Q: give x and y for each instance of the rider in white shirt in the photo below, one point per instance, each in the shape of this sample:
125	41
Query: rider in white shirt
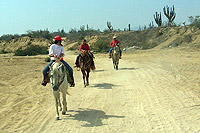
56	51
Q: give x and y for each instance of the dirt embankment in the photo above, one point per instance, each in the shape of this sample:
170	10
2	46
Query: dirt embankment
14	44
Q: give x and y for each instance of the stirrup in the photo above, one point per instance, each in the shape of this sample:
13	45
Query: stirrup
44	83
76	66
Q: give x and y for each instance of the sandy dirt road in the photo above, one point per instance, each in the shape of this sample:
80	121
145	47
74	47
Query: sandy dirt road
153	91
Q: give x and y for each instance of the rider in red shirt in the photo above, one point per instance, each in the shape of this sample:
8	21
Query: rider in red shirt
112	44
85	47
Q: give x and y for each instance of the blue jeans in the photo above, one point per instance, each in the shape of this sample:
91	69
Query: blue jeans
46	69
120	52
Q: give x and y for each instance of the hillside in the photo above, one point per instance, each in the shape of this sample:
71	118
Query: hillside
146	39
156	88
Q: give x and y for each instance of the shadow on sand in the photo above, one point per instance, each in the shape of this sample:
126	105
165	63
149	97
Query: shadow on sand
127	68
91	116
104	86
99	70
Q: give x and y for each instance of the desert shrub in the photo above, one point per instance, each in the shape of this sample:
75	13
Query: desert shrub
9	37
47	59
176	42
31	50
101	45
194	21
147	45
3	51
187	38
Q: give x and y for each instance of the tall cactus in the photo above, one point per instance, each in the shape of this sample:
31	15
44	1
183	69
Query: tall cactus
170	14
110	27
129	27
158	19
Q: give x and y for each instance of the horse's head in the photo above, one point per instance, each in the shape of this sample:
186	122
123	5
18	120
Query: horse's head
116	48
83	53
56	75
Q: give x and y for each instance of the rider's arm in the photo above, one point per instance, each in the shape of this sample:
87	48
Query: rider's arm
51	55
88	49
81	47
62	54
111	43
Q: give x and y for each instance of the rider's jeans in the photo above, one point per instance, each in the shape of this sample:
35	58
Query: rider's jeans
46	69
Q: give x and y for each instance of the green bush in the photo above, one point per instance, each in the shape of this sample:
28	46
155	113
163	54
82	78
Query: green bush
102	45
47	59
187	38
31	50
3	51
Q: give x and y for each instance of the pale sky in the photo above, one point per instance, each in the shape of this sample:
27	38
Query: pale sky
19	16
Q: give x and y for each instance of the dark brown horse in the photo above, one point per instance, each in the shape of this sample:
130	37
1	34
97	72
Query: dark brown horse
85	65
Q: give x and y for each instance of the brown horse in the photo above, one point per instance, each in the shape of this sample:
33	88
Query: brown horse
85	65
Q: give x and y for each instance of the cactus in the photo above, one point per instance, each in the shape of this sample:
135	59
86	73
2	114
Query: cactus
110	27
170	14
129	27
151	25
158	19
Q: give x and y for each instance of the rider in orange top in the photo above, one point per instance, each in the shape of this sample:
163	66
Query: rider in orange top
112	44
85	47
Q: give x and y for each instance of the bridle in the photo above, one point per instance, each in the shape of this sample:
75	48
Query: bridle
62	76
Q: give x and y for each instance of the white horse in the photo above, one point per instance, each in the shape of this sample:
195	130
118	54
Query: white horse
59	83
115	56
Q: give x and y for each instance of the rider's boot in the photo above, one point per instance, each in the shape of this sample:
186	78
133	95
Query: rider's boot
44	82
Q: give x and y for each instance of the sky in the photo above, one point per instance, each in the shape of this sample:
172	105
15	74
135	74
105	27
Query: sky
19	16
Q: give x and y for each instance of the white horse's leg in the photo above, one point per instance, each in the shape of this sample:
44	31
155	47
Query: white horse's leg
59	103
56	93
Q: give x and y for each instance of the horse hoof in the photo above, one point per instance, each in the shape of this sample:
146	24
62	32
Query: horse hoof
63	113
57	118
